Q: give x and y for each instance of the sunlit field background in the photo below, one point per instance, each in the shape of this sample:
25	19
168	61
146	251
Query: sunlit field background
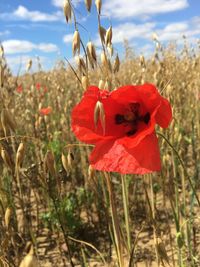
55	210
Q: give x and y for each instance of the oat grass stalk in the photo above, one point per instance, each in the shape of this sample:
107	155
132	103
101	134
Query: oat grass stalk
115	221
125	189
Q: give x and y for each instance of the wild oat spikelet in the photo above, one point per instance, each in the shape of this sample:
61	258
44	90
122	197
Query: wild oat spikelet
49	163
1	51
29	65
30	259
101	84
116	64
88	4
65	162
102	33
104	59
7	217
108	38
19	156
98	5
7	159
81	65
99	113
76	43
91	52
1	76
85	82
67	10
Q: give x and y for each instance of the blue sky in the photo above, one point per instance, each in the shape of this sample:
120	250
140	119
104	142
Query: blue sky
30	28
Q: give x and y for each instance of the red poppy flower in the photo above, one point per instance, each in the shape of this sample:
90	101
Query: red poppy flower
123	129
19	89
45	111
38	86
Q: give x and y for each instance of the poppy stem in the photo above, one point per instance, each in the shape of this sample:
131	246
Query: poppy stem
183	166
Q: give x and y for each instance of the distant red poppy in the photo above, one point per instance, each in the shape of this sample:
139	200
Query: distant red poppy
45	111
19	89
38	86
127	142
45	90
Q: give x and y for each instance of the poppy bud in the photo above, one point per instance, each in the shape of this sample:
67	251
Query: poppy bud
67	10
76	43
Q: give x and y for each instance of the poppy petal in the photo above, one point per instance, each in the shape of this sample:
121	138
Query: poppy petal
114	157
164	114
83	117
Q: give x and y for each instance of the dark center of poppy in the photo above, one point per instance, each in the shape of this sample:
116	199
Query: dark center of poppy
132	118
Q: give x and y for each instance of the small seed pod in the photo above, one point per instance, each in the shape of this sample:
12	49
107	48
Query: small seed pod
102	33
88	4
108	38
76	43
29	65
116	64
85	82
91	52
67	10
7	217
49	163
98	5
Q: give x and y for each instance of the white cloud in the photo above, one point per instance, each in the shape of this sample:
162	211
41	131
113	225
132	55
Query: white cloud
140	8
175	31
22	13
23	46
59	3
4	33
68	38
129	31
